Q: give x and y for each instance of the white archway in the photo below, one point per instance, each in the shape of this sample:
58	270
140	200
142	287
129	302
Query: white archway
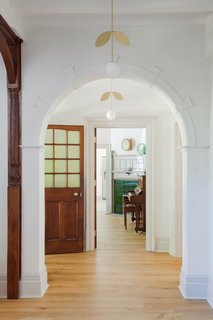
34	277
70	80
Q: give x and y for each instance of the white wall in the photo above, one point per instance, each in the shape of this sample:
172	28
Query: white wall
210	221
103	136
162	186
165	184
179	51
118	134
3	178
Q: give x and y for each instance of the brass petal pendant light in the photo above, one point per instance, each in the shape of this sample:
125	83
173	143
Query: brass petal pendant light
104	37
112	68
107	94
111	115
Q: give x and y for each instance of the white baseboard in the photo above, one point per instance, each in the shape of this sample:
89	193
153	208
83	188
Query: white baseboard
3	286
89	240
193	287
34	285
162	245
210	293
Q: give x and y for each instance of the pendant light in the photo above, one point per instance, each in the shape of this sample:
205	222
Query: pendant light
112	68
111	115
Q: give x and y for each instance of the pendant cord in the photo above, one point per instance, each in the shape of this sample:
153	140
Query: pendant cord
112	28
110	94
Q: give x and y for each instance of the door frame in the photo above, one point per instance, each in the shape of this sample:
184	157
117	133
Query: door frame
10	49
93	124
107	147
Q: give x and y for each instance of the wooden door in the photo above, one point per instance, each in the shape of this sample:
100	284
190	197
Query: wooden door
64	172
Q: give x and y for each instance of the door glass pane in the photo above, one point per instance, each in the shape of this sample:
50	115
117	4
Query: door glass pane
74	180
48	166
74	137
74	152
49	136
60	151
60	166
48	180
74	166
60	181
48	151
60	136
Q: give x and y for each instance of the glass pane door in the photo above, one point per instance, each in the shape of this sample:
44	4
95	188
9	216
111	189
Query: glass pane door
63	158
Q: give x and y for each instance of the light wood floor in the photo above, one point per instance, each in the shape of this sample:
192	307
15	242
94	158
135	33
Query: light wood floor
119	281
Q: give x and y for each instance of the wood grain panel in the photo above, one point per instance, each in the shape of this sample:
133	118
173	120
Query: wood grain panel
14	243
71	220
53	221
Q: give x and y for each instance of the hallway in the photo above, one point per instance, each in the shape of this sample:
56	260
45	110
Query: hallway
118	281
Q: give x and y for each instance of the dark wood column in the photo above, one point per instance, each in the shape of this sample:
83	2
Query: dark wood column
10	48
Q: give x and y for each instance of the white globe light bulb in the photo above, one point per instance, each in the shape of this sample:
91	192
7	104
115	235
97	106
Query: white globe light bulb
112	69
110	115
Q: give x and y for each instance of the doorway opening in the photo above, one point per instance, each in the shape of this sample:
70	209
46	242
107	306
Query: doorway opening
120	169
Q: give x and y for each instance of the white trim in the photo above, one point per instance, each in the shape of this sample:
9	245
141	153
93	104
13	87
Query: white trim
150	215
149	75
107	147
193	287
210	293
3	286
120	123
34	285
194	147
162	245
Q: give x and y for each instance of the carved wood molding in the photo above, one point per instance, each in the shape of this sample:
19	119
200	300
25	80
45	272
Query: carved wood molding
10	48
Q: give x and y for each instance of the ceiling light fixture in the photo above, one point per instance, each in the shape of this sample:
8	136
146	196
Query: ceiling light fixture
111	115
112	68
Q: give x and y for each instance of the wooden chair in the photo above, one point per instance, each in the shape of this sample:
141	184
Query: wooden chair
128	208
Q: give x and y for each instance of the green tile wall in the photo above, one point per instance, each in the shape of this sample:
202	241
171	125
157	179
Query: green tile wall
121	187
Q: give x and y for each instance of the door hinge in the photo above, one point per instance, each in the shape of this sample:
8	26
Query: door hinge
95	183
95	139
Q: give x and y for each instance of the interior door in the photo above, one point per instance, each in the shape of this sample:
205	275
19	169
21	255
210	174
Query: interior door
64	185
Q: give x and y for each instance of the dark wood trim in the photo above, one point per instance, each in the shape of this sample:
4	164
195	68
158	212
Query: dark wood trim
14	227
10	48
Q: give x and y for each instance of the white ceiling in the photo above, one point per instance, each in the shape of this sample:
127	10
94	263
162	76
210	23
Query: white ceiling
139	100
97	12
128	6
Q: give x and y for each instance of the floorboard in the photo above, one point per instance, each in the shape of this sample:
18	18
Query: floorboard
120	280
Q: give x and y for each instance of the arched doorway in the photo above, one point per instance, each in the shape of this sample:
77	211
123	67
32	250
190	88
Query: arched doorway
33	153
